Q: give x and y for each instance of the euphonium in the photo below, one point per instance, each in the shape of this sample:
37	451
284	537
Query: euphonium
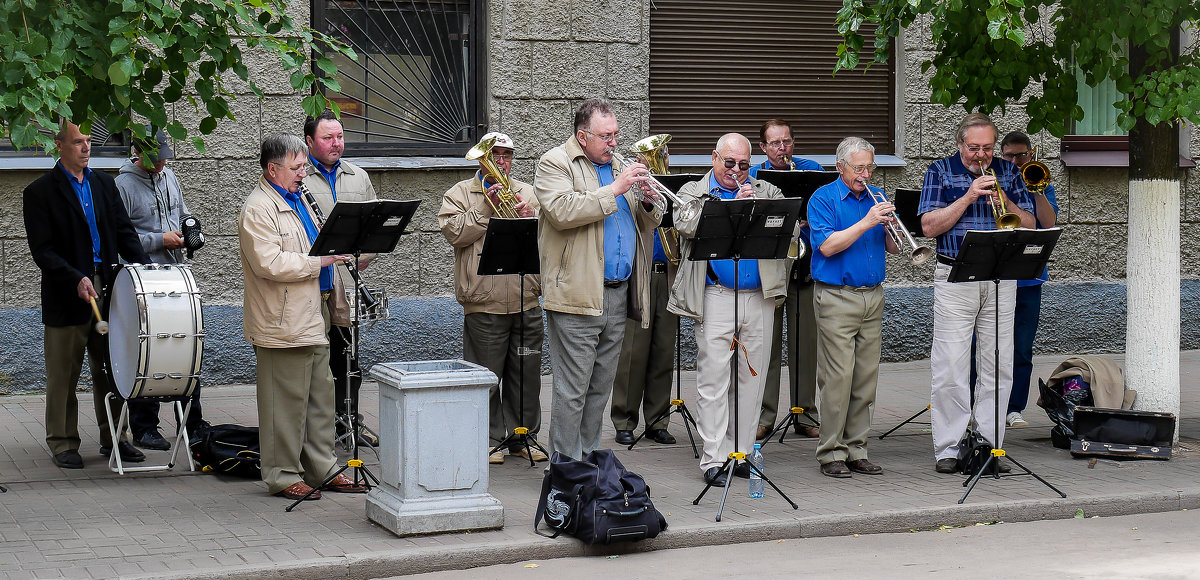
1005	220
1036	175
482	152
652	152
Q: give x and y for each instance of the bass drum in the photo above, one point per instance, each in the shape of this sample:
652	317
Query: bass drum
156	331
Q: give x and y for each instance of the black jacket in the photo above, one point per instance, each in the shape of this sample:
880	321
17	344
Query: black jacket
61	243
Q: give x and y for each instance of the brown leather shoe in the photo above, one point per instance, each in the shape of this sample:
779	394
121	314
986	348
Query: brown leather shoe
809	431
835	469
298	490
343	484
865	467
763	430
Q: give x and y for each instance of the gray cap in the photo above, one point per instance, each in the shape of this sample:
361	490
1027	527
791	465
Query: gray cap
164	148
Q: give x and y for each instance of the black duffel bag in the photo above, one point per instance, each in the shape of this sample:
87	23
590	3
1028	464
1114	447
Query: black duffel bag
596	500
228	448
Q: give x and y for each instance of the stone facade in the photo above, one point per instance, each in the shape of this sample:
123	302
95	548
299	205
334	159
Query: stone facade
546	57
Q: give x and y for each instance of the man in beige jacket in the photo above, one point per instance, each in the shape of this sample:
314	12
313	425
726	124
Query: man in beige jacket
594	236
705	291
285	317
501	326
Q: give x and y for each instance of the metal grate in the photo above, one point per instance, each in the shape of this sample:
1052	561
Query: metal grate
714	71
414	86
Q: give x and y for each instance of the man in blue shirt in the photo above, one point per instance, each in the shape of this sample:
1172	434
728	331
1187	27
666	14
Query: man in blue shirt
848	270
955	199
775	139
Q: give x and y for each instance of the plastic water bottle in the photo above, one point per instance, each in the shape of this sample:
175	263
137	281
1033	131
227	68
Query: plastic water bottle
756	482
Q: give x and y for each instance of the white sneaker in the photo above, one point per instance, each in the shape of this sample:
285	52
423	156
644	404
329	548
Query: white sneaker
1016	420
497	457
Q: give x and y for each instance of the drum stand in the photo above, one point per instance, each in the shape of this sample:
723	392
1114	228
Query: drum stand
677	404
181	435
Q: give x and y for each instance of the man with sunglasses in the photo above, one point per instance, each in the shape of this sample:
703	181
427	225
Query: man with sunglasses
775	139
706	291
955	198
595	238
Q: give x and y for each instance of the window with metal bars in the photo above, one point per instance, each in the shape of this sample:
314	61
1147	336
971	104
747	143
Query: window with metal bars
415	89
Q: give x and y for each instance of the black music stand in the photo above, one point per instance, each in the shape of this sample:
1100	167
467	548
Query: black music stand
799	185
358	227
1015	254
511	247
734	229
674	183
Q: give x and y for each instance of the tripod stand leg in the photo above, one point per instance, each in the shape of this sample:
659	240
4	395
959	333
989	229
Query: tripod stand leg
688	423
708	485
732	463
906	421
1035	476
772	484
970	483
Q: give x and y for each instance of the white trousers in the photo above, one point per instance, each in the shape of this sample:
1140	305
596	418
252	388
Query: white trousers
715	395
962	310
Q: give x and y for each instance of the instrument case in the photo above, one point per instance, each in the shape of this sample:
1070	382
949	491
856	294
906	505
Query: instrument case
1120	433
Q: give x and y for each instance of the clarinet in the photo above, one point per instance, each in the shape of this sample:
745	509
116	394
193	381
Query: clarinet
364	295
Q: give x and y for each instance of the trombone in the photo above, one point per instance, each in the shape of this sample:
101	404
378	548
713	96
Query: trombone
918	254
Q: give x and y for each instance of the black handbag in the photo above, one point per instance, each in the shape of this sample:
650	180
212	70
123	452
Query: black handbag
231	449
596	500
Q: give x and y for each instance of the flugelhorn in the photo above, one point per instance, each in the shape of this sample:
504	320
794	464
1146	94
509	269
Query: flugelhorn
1005	220
1036	175
895	229
482	152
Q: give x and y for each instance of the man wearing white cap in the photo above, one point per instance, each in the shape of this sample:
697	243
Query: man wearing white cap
500	326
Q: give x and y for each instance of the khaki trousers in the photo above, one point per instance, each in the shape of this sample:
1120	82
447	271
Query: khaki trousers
64	348
849	324
647	359
802	356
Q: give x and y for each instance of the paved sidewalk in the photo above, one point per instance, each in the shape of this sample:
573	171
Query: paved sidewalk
92	523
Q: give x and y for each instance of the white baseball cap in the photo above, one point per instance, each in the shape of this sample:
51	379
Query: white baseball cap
502	140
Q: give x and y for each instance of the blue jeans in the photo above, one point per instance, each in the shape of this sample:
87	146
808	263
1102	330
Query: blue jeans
1029	307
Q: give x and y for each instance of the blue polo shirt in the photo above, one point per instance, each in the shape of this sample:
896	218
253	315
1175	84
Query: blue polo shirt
293	201
834	208
330	174
948	179
747	270
83	190
620	234
1045	277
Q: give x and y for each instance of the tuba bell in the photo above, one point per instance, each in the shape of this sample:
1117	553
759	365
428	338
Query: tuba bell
482	152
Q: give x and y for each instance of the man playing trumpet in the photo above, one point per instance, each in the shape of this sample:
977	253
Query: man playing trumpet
495	314
705	291
957	197
848	269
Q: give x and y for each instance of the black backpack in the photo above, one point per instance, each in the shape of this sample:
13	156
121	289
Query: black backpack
231	449
973	452
596	500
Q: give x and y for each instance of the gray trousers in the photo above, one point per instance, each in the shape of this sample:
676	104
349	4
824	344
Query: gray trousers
849	326
802	356
64	348
583	354
494	341
647	359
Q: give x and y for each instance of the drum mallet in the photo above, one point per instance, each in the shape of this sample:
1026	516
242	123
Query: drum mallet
101	325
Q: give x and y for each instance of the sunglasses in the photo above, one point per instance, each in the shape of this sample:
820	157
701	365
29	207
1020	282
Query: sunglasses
730	163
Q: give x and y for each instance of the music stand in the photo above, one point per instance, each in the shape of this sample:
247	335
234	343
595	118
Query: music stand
734	229
511	247
906	202
801	185
674	183
1014	254
358	227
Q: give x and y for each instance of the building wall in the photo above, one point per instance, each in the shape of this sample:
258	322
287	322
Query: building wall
545	57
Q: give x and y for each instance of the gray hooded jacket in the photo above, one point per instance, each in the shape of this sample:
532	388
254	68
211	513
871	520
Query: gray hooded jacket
155	205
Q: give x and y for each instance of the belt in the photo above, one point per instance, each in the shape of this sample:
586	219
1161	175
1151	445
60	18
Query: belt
613	283
944	260
326	294
850	288
659	267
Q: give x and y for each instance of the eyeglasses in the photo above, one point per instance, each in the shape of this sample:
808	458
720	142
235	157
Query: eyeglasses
730	163
297	169
610	138
1011	156
861	169
980	148
780	144
503	156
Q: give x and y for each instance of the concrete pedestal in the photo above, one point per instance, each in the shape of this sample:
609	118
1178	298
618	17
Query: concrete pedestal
433	443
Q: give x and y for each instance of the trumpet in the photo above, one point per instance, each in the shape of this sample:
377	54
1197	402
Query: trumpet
687	210
1005	220
482	152
364	295
895	229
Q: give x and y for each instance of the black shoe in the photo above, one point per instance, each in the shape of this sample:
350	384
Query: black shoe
661	436
715	477
864	466
129	453
152	439
624	437
742	470
196	434
947	465
69	459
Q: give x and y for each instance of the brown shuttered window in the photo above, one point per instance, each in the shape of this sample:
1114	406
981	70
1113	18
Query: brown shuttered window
719	67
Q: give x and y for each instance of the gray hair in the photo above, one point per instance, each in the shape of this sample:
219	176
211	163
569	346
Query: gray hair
851	145
975	120
597	106
280	146
726	139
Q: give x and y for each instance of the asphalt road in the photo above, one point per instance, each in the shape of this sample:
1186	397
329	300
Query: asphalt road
1151	546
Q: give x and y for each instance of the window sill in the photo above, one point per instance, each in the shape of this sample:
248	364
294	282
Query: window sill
1080	151
829	162
413	163
44	163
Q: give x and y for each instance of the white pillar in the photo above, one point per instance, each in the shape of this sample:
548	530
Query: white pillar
1152	278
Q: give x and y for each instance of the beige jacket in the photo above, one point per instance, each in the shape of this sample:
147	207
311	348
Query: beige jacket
464	220
571	234
687	293
282	304
352	185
